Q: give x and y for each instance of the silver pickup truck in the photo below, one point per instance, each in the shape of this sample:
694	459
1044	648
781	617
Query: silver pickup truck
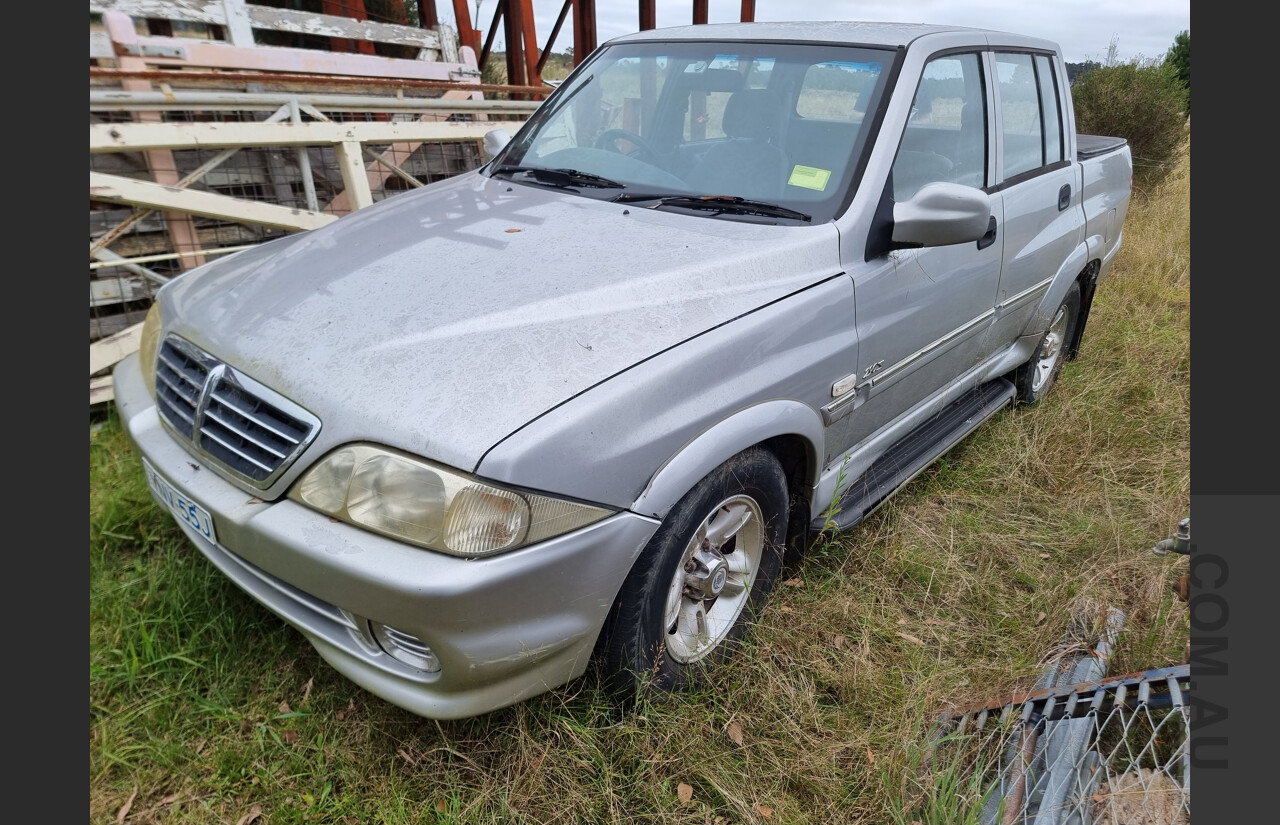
729	287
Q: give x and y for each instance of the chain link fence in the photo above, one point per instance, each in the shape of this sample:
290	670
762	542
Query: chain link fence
1080	748
1108	752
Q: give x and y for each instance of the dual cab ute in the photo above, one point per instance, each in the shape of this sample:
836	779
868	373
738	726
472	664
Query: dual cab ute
729	286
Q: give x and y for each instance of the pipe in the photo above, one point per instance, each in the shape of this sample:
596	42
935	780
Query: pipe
306	79
131	264
106	101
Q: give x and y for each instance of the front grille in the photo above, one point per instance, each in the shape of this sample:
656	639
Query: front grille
237	423
180	378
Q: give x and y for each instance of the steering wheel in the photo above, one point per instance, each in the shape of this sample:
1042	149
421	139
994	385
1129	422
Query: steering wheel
609	138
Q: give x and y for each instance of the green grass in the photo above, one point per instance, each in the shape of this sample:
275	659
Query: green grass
203	705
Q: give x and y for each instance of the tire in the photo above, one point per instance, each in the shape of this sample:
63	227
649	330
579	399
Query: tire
659	634
1036	377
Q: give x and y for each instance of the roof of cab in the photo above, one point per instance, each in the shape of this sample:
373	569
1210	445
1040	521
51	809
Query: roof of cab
892	35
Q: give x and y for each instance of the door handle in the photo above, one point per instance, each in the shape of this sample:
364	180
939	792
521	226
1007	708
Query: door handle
1064	197
989	238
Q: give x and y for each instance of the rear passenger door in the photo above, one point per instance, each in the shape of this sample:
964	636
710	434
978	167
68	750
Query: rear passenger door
1036	182
923	321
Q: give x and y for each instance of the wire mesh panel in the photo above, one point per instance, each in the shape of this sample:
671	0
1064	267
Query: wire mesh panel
1112	752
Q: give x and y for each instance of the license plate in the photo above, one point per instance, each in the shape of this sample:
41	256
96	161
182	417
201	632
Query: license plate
183	508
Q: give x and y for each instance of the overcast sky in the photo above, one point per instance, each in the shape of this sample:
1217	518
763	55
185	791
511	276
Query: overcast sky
1084	28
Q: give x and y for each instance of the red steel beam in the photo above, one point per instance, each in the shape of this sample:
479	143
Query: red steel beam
551	39
584	29
427	16
648	15
700	11
513	34
467	33
529	27
355	10
748	11
493	30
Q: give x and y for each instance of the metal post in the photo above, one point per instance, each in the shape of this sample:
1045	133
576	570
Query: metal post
748	11
115	101
111	257
1068	739
699	11
354	176
304	162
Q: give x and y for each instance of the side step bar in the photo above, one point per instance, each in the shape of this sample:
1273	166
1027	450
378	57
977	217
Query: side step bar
917	450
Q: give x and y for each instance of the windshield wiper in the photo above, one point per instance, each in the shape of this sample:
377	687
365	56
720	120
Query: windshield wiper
717	203
565	178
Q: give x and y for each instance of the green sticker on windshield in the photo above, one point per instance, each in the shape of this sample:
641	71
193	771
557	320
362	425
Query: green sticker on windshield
809	177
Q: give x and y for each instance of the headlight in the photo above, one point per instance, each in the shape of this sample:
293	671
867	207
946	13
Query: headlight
425	504
147	346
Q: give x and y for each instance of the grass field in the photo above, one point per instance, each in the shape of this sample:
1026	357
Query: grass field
205	708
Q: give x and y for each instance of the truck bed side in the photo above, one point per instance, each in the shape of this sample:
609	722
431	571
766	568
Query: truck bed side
1107	168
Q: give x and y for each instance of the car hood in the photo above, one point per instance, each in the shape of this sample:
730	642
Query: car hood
440	321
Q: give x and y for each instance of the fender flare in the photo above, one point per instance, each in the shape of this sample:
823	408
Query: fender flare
1075	263
725	439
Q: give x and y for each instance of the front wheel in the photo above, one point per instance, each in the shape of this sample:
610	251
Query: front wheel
1036	377
702	577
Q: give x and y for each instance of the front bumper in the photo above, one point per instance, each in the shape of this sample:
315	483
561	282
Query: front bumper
503	628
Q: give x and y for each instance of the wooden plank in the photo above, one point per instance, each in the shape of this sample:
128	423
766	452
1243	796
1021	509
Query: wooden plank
115	189
302	22
109	351
133	137
355	183
210	12
100	46
224	13
101	390
448	45
284	59
103	254
239	26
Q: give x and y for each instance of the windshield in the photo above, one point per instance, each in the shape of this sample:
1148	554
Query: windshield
776	124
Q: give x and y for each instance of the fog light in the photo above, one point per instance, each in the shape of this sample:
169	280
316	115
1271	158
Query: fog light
404	647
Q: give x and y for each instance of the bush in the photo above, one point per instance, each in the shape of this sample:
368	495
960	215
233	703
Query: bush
1179	55
1145	103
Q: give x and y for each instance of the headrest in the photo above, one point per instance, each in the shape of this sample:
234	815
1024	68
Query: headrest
715	80
750	113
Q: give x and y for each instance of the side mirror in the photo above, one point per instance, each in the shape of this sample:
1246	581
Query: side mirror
941	214
494	141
